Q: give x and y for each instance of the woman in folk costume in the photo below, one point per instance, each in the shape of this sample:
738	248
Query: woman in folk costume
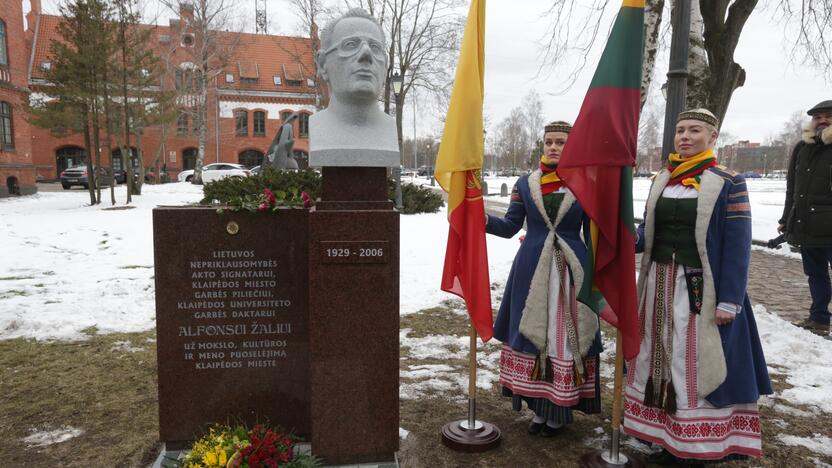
694	386
551	343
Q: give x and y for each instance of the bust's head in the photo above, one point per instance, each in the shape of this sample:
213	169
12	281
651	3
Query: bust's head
353	57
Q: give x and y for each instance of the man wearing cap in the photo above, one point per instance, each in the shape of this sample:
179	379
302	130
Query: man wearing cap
807	214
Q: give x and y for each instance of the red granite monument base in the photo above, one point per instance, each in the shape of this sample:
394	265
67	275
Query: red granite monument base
354	319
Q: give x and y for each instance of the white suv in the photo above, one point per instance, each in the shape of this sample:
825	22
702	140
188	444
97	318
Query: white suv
215	171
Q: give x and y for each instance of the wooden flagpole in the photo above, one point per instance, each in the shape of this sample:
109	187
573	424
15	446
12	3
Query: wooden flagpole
470	435
614	457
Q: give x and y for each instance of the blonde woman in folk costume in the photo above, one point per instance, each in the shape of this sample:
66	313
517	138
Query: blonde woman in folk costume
551	343
694	386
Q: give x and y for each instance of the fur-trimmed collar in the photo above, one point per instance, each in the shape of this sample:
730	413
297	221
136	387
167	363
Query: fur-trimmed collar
825	135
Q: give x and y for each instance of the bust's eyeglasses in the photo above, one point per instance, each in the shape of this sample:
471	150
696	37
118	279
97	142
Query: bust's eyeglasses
352	45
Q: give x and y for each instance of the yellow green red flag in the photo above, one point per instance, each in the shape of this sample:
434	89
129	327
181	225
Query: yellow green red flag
458	168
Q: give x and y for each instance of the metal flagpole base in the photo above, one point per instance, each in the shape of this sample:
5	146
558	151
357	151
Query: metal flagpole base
612	458
602	459
470	435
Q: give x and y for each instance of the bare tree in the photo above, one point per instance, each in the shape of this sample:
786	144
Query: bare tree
533	116
423	38
574	28
812	20
512	142
206	41
722	23
649	137
310	13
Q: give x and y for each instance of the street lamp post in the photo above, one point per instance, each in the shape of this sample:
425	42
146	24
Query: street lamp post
396	81
677	75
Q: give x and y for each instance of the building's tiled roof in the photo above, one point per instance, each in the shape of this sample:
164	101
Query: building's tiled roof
257	57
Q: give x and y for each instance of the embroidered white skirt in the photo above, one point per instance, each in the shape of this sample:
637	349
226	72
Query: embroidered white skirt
697	430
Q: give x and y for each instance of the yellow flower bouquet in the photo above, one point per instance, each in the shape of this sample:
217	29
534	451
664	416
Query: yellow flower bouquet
225	446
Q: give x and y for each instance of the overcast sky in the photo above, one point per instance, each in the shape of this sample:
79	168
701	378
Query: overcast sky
774	88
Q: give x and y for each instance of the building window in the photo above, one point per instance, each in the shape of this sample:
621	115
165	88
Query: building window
185	80
241	117
310	82
294	83
259	123
303	125
229	77
248	80
251	158
284	116
4	52
277	80
6	129
182	123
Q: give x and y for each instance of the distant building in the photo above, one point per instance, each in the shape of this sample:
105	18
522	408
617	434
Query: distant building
268	78
17	171
747	156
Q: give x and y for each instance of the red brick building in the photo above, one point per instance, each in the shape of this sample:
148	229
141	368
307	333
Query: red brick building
17	172
268	78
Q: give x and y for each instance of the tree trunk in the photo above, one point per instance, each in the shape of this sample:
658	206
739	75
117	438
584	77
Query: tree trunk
96	132
137	187
202	119
652	25
721	33
85	112
108	125
699	72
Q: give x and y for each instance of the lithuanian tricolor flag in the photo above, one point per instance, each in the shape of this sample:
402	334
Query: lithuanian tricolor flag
597	165
458	167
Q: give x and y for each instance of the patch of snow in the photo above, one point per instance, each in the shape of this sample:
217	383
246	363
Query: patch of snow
797	353
43	438
781	408
69	266
817	443
403	433
125	347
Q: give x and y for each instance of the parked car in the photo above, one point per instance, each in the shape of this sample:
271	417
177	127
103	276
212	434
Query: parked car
424	171
215	171
256	170
751	175
77	175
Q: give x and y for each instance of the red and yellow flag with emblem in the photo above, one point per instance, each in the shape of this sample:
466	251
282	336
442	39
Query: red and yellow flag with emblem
458	167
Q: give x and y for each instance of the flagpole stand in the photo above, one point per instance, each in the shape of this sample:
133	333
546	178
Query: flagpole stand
613	458
470	435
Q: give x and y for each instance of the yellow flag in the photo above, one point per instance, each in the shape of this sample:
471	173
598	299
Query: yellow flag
462	141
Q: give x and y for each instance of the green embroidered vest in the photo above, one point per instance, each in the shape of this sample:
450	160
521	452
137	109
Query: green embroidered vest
675	227
551	203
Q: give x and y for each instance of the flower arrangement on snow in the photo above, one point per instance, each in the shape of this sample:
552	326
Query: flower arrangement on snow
261	446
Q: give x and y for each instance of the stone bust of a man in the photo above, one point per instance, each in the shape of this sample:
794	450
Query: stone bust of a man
352	130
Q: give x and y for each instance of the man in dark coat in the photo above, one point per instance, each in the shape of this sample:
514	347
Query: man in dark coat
807	215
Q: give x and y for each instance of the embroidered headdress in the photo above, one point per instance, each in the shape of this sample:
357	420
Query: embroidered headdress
702	115
558	126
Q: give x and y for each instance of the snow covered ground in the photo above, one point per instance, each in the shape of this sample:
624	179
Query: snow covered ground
60	256
767	198
66	267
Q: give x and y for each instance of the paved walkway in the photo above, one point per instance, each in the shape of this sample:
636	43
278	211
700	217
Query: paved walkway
774	281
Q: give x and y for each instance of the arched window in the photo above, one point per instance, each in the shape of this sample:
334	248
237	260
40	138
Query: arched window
251	158
4	51
69	156
241	118
6	129
259	123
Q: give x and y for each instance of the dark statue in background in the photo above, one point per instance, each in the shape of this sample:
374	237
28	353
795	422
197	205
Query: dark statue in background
279	154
